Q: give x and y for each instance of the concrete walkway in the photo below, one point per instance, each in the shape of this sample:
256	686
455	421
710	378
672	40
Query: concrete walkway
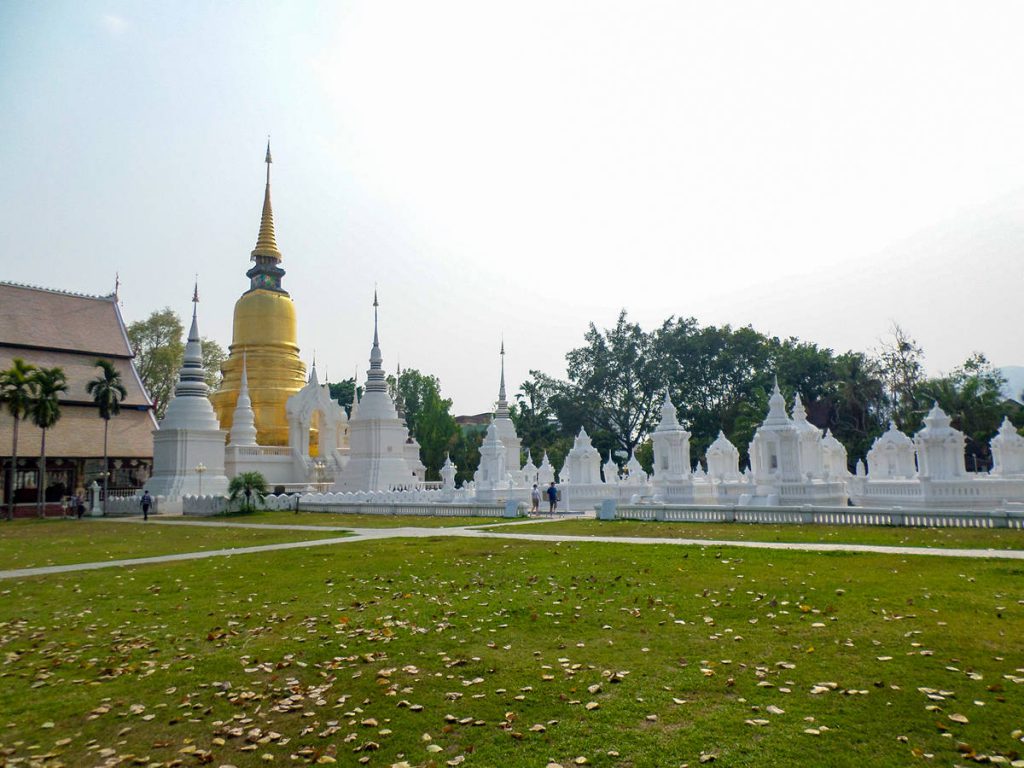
356	535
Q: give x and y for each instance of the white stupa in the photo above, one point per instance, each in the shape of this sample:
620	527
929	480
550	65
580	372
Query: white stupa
892	456
940	448
243	423
1007	451
188	448
671	448
377	436
723	460
582	463
502	421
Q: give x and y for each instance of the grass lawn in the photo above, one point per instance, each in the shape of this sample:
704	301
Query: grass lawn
37	543
435	652
351	521
970	538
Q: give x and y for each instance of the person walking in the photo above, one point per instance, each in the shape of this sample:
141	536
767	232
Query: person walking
146	502
79	505
535	500
552	497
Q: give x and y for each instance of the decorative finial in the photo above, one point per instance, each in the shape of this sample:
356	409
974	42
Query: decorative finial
117	285
376	342
266	241
195	290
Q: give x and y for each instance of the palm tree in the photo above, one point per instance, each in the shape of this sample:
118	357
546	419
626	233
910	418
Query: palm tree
247	484
107	392
46	384
16	394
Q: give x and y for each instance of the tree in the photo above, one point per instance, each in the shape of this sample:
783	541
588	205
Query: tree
16	394
428	417
902	370
248	484
107	392
158	343
971	396
614	381
213	358
436	432
857	395
159	352
533	415
344	392
413	388
47	384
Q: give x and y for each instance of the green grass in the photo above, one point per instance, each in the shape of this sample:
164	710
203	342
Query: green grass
38	543
352	521
970	538
476	643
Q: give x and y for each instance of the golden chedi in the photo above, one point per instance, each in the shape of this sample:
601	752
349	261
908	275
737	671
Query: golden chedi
264	334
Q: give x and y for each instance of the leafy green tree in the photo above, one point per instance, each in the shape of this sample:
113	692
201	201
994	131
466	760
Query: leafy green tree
428	416
344	392
213	358
713	374
159	351
466	452
16	395
159	346
858	403
107	392
436	432
47	384
249	486
614	381
534	415
412	389
971	396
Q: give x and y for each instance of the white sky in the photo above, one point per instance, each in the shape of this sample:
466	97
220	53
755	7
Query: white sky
817	169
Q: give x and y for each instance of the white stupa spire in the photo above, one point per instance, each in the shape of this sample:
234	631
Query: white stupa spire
243	422
191	408
376	381
776	405
192	377
799	412
501	412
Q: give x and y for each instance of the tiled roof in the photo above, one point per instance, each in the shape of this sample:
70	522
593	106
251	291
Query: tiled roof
40	317
58	329
79	434
79	370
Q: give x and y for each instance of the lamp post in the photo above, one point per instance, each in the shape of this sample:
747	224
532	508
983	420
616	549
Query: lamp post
200	468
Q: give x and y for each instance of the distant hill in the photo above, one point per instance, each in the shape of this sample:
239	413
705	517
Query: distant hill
1014	386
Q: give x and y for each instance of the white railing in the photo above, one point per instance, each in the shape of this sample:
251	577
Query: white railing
385	504
808	514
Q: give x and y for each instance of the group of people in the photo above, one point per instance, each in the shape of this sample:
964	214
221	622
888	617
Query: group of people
551	492
77	504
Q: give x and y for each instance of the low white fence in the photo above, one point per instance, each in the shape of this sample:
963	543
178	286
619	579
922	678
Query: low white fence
410	509
920	518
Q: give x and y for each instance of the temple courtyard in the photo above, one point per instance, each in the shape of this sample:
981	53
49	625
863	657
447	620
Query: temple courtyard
283	638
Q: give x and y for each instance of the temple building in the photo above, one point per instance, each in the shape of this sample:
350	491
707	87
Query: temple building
264	335
59	329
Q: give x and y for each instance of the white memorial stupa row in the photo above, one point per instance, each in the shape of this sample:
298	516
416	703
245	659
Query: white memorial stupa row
792	462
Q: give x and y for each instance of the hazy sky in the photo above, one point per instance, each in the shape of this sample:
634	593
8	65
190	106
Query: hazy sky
815	169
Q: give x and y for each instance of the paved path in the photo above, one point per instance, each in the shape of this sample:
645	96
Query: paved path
356	535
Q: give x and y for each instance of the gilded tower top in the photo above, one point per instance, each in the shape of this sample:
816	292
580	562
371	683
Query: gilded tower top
266	274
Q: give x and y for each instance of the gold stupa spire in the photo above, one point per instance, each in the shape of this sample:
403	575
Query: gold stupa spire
266	243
